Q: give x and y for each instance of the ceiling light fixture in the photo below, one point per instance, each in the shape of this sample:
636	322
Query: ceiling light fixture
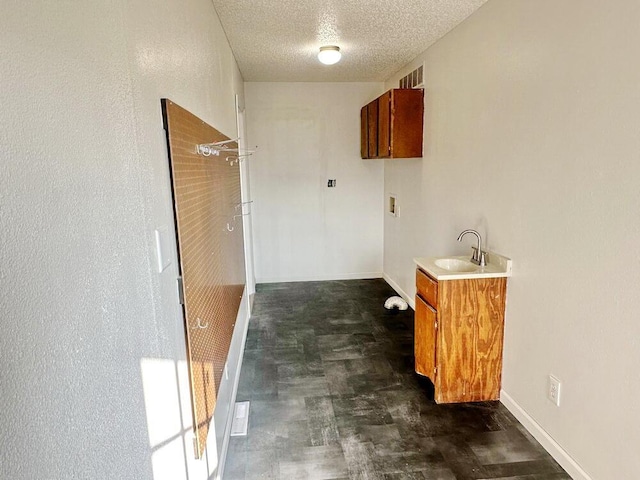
329	54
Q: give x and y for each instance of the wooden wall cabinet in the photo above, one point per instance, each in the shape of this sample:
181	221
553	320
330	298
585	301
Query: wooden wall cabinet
459	329
391	126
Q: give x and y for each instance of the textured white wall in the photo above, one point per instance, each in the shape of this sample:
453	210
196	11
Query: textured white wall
532	137
307	133
93	375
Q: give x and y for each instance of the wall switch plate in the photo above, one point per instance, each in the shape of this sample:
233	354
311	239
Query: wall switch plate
162	248
553	391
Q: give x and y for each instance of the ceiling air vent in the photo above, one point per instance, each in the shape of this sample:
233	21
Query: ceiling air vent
414	80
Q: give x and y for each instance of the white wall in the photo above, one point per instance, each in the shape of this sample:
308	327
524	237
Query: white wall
94	379
532	137
306	134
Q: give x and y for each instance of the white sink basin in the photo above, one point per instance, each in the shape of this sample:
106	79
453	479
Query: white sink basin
458	268
456	265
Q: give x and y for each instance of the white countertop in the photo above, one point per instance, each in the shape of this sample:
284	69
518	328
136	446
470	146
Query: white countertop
497	266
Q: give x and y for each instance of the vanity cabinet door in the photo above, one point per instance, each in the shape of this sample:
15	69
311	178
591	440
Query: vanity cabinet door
425	339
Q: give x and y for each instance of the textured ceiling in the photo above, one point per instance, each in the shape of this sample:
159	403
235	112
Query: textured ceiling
278	40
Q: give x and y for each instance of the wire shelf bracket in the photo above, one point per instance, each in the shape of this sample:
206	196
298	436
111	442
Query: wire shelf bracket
216	148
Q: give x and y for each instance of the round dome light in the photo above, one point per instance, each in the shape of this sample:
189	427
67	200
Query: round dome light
329	55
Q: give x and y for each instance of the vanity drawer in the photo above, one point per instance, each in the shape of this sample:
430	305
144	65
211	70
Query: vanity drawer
427	287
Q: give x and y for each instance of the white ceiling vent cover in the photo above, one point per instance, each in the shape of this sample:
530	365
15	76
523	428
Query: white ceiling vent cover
414	79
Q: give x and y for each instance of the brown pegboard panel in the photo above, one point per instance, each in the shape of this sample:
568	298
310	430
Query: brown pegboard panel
206	195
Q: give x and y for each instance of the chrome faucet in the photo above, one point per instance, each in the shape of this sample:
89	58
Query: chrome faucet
479	256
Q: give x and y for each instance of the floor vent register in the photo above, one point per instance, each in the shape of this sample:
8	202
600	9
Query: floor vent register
240	424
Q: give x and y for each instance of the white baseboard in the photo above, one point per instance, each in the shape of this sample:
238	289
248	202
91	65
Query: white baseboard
402	293
322	278
548	443
234	392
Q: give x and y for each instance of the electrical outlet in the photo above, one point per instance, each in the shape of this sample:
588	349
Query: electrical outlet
553	392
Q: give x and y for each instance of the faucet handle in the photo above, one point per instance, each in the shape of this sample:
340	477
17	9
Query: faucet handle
479	257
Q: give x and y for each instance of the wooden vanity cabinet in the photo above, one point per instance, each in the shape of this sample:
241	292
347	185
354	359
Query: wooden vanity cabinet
391	126
459	329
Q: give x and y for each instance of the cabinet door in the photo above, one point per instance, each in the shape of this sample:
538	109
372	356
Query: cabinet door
384	125
425	339
372	129
407	117
364	133
471	318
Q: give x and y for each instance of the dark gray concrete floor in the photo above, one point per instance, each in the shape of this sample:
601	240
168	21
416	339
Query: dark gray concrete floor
329	374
